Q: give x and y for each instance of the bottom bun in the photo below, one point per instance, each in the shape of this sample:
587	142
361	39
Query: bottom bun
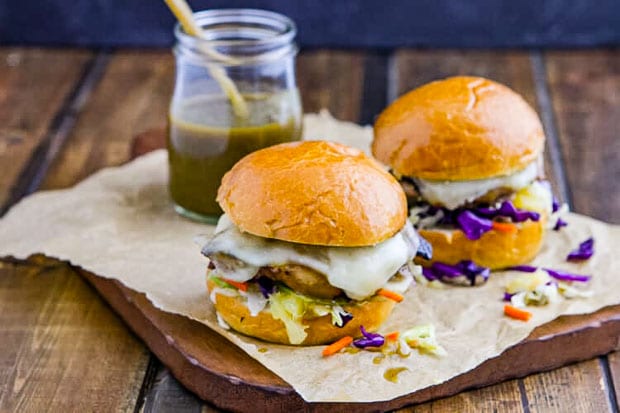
370	314
495	249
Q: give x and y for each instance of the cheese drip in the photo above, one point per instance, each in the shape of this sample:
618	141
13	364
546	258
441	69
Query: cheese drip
453	194
358	271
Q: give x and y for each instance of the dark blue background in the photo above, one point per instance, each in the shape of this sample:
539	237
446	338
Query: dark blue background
339	23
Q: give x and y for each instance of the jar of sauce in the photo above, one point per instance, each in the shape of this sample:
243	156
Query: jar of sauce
207	131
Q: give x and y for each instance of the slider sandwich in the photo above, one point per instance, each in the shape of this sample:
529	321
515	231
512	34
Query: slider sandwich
469	153
314	243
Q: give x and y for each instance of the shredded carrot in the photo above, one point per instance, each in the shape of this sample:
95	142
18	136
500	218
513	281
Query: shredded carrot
517	313
337	346
238	285
391	295
504	226
392	336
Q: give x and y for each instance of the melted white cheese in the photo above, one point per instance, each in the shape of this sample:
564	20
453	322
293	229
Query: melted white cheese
358	271
453	194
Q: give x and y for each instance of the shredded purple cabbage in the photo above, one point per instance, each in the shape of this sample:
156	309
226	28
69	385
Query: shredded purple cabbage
474	222
369	339
583	252
429	274
559	224
567	276
557	274
523	268
266	286
507	296
508	210
465	272
555	204
346	317
472	225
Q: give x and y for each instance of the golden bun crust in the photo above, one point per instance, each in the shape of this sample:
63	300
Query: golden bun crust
313	192
459	128
495	249
371	314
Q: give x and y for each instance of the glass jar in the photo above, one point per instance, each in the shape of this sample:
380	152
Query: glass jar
207	134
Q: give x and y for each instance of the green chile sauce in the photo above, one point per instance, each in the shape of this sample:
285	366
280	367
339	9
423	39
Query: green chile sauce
205	140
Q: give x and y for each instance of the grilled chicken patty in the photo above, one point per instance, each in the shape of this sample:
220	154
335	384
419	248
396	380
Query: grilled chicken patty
297	277
302	279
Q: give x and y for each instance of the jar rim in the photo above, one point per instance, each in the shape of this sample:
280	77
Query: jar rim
281	30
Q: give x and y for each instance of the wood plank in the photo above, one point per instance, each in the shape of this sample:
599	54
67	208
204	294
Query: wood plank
166	394
575	388
585	90
331	80
133	96
614	367
62	347
34	86
413	68
488	399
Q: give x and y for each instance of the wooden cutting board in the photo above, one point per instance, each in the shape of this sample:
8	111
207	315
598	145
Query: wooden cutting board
221	373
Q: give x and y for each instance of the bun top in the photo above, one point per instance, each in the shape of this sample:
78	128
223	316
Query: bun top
459	128
313	192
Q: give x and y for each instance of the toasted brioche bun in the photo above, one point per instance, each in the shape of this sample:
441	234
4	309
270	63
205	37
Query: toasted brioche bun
494	249
313	192
459	128
370	313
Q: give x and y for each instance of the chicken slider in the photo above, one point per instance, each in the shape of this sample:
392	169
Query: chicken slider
468	152
314	243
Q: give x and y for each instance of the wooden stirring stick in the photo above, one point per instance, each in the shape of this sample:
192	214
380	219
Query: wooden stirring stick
184	15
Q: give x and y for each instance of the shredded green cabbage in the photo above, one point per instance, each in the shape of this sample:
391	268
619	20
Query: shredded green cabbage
527	282
535	197
290	307
541	295
424	340
221	283
568	291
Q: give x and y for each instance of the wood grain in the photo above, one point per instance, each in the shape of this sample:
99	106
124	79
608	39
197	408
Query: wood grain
614	365
576	388
132	96
331	80
501	397
167	395
62	347
34	85
585	89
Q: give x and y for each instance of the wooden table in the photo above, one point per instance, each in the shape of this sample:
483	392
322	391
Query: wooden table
66	113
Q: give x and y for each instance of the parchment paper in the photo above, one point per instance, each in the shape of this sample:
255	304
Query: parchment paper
119	223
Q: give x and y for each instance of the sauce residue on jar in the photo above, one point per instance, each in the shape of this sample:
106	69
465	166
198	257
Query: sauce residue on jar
205	139
391	374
